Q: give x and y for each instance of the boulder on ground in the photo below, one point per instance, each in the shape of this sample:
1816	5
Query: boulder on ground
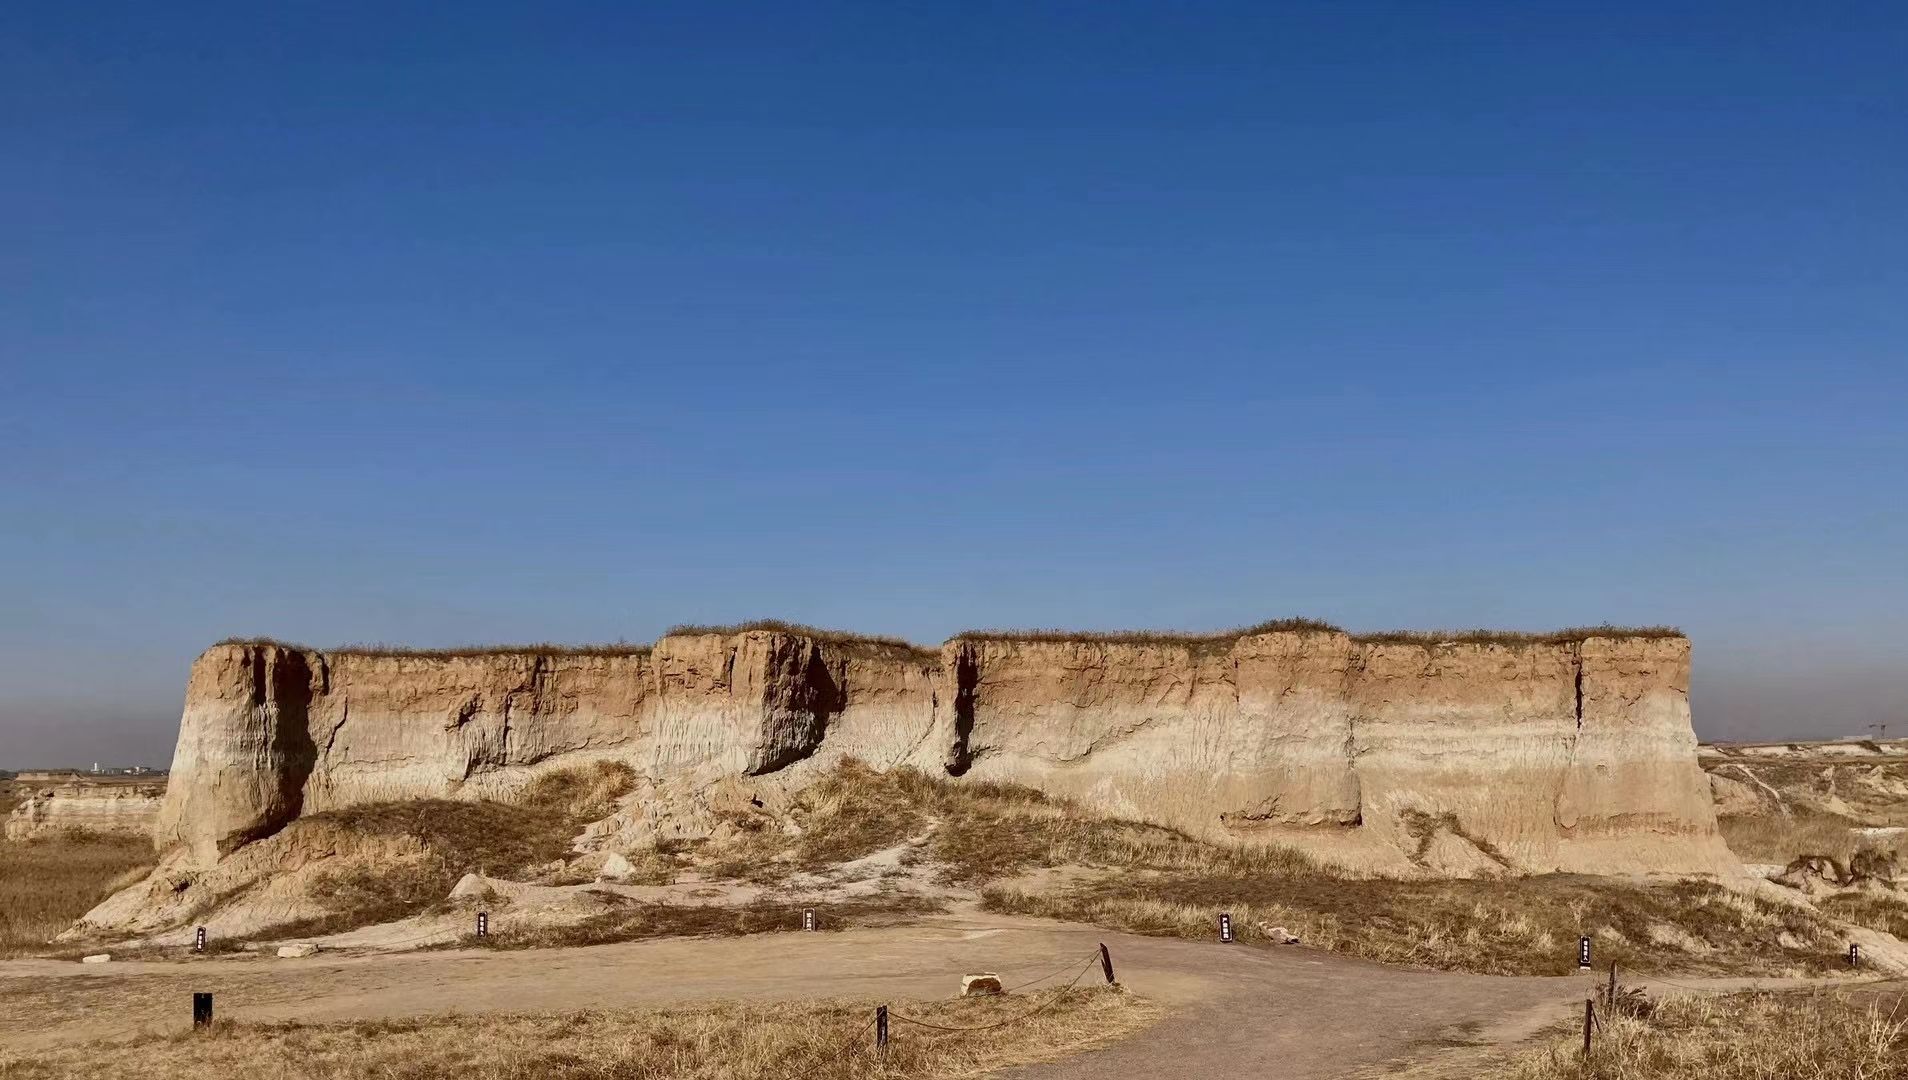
980	984
302	949
615	868
96	958
1278	935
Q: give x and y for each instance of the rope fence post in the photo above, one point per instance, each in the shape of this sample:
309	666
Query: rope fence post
1106	963
1609	1001
1589	1018
201	1011
881	1029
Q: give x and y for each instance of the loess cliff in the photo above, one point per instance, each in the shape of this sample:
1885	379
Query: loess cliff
92	805
1572	753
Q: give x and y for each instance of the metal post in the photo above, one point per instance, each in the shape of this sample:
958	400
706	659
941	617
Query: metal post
1225	926
1589	1018
881	1027
483	924
1610	1001
1106	963
1583	954
201	1011
198	940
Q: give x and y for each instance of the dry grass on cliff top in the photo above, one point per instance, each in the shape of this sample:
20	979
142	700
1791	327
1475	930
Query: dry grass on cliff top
50	880
881	644
822	634
1745	1036
544	648
720	1041
1220	638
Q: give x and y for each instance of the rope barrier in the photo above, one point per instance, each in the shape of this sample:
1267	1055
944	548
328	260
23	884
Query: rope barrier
1043	1007
1062	970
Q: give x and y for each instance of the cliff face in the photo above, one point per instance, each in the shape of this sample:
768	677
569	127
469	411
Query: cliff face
1451	758
97	806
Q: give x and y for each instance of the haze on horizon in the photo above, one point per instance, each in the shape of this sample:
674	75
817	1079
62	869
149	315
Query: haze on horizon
362	324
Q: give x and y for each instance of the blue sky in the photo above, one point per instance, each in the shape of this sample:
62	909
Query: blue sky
435	325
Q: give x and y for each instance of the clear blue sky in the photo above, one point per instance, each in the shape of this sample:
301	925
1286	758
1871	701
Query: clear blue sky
480	322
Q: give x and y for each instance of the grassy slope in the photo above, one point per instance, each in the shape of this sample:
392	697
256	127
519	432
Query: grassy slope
492	838
1163	882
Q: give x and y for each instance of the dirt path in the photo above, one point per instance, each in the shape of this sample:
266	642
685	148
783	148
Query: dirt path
1232	1009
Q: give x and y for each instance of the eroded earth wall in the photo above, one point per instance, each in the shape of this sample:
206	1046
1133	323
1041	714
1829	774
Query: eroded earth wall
116	806
1403	756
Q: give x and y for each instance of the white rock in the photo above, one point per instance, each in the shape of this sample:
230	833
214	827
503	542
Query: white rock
96	958
1278	935
615	868
980	984
293	952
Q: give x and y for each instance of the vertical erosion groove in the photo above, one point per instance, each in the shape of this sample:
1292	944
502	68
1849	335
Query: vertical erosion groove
1579	689
960	756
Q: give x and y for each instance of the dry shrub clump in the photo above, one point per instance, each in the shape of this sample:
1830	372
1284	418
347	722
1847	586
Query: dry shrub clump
1746	1036
722	1041
48	881
496	839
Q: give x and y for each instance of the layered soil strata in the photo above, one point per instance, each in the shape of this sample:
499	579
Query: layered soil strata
1464	756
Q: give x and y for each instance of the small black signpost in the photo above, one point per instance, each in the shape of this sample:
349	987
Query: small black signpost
808	919
1854	955
1225	927
483	924
198	940
201	1011
1583	954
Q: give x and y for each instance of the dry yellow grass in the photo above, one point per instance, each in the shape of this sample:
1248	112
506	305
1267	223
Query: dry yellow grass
1749	1036
1515	926
48	881
723	1041
1779	838
493	838
1160	881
